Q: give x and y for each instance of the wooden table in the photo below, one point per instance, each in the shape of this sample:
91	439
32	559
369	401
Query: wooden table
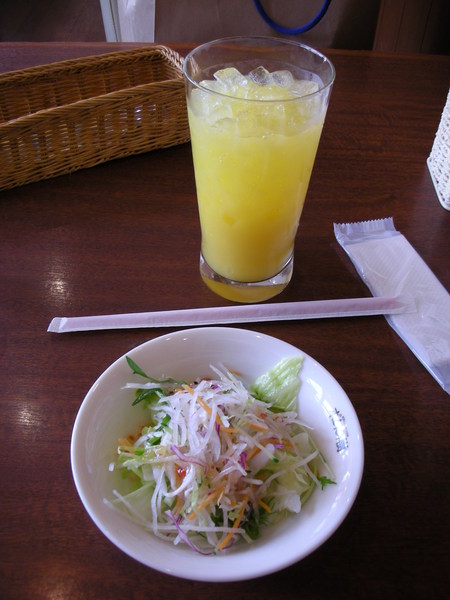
124	237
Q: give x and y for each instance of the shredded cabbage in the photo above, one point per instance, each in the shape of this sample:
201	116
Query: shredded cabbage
216	461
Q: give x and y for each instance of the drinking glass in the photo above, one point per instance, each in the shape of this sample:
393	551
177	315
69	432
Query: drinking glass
256	109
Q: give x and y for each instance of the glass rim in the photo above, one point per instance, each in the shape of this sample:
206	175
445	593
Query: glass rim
280	42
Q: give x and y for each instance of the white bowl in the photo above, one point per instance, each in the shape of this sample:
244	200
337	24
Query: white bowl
106	414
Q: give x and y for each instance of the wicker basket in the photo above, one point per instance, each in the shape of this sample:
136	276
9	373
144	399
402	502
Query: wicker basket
74	114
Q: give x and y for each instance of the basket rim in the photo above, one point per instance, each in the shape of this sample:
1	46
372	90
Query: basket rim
88	62
33	74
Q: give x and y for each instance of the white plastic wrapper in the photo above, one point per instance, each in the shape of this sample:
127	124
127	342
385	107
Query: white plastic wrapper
390	266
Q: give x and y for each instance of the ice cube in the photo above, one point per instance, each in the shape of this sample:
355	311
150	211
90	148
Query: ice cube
283	78
261	76
229	77
304	87
208	106
210	84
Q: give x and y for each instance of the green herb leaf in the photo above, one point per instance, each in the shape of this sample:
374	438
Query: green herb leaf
256	520
149	396
217	517
325	481
138	371
136	368
162	425
164	421
251	525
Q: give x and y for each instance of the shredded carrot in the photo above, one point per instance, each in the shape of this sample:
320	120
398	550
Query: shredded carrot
179	504
286	443
228	537
238	373
229	438
128	445
209	498
204	405
257	427
200	400
207	409
253	452
265	506
274	440
125	442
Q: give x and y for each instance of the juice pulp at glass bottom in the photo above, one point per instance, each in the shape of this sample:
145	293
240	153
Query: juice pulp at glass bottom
250	292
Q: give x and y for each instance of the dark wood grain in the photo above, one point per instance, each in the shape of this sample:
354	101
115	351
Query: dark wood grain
124	237
51	20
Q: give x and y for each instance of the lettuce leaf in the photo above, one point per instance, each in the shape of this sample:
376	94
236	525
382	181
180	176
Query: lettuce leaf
280	385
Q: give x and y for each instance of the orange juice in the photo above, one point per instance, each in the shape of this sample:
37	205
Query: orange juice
250	192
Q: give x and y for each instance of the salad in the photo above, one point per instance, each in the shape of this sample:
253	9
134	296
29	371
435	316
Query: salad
216	461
